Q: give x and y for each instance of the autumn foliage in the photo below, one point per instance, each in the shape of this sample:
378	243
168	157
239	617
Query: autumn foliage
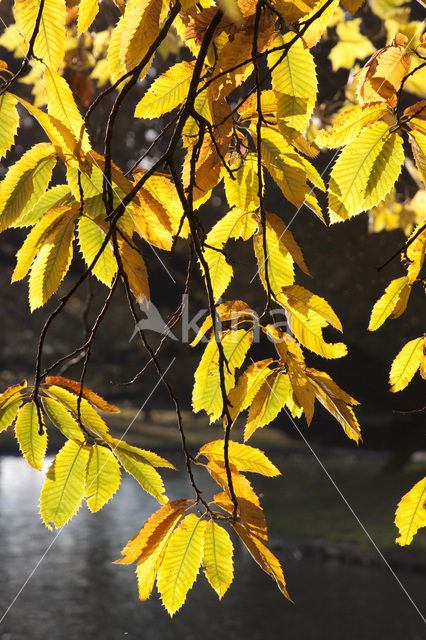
236	108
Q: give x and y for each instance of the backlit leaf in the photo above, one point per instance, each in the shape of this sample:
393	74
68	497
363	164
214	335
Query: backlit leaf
268	402
411	513
63	488
75	387
181	562
387	303
244	458
406	364
103	477
50	41
10	122
32	444
166	92
217	557
62	419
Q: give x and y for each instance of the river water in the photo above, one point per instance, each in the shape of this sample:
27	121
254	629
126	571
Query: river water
73	591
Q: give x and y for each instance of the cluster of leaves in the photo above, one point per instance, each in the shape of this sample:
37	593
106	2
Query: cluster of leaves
218	132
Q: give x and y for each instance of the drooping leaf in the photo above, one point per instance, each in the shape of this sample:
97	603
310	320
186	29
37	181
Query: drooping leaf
144	473
63	488
62	419
103	477
248	384
349	124
411	513
294	78
87	12
89	417
385	171
166	92
9	122
53	198
351	172
415	252
90	239
181	562
406	364
25	183
217	558
8	412
244	458
135	269
32	444
268	402
153	532
385	305
263	556
53	259
50	41
306	302
141	27
207	392
140	455
308	330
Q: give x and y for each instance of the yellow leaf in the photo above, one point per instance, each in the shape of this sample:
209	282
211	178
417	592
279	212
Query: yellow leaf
38	236
349	124
411	513
249	509
336	401
217	558
278	259
406	364
62	419
181	562
308	330
385	305
53	259
8	412
242	192
12	393
61	105
207	392
141	27
249	383
352	45
234	224
90	239
295	82
75	387
284	165
9	122
352	5
63	488
32	444
268	402
144	473
135	270
140	455
87	12
67	146
293	10
50	41
153	532
385	171
89	417
243	457
25	183
415	252
233	311
264	558
103	477
53	198
313	33
351	173
167	91
306	302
